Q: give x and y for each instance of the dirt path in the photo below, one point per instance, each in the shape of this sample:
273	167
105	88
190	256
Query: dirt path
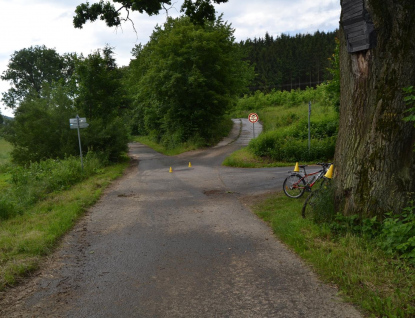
180	244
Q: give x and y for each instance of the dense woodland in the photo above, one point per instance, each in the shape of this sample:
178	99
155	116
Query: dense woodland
290	62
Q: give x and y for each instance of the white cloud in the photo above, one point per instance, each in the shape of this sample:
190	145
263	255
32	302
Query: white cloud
25	23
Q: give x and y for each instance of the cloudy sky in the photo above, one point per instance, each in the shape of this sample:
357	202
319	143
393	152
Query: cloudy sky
25	23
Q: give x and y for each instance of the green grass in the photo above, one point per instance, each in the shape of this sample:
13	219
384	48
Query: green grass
243	158
5	149
26	239
380	285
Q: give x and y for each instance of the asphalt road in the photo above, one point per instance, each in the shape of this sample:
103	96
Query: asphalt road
178	244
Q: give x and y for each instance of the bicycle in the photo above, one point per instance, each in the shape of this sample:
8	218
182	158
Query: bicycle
296	183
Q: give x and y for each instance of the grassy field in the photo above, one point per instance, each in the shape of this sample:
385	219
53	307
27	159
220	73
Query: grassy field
380	285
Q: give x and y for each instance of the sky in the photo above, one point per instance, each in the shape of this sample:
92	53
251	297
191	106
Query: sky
26	23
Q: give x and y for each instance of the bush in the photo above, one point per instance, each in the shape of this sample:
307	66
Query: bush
280	147
7	209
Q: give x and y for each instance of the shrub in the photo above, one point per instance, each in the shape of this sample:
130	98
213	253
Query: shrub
281	147
7	209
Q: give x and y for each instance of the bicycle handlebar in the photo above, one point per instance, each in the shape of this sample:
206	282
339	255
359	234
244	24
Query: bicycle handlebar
324	164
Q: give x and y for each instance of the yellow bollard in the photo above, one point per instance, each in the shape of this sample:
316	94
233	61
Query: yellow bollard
190	165
329	173
171	170
296	169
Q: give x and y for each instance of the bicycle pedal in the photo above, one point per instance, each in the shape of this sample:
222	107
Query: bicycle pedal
308	188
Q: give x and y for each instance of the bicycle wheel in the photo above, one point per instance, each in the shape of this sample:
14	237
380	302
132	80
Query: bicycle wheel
309	205
314	199
294	186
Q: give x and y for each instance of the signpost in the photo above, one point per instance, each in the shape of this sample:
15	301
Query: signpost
253	118
77	123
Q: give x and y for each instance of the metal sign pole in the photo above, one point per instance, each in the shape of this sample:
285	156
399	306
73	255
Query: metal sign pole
80	148
253	118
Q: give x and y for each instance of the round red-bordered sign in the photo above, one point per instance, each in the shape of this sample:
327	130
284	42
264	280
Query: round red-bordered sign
253	118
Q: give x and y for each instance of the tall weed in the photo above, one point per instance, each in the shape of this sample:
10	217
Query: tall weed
398	234
32	183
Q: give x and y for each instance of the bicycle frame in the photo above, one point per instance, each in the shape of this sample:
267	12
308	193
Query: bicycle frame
306	177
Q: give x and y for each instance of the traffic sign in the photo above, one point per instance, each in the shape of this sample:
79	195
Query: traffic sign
73	123
77	123
75	120
76	126
253	118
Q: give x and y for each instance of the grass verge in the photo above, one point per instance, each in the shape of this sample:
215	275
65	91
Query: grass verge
148	141
243	158
25	239
222	130
380	285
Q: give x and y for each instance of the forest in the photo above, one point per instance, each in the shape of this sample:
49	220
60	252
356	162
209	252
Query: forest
290	62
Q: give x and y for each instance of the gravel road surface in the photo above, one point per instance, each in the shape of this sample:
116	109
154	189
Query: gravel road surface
177	244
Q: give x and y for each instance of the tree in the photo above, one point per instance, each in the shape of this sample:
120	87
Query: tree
30	68
40	128
186	78
100	90
374	160
198	11
101	97
288	62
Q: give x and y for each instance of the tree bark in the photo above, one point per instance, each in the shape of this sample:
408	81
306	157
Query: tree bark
374	159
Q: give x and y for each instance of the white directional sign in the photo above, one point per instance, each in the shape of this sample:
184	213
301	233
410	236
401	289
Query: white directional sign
73	123
75	120
81	125
77	123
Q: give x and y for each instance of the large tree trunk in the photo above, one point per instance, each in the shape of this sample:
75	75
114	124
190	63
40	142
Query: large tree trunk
374	160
